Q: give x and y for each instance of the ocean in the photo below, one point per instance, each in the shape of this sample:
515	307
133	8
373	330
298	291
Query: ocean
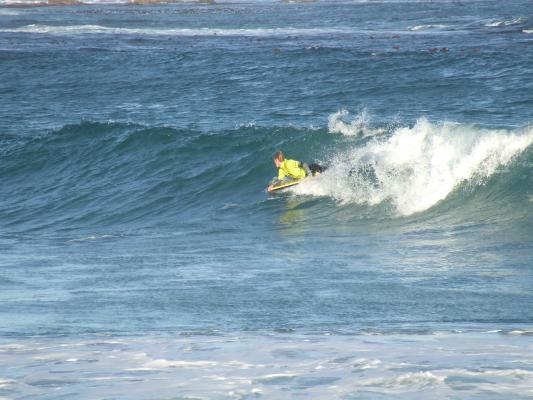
142	258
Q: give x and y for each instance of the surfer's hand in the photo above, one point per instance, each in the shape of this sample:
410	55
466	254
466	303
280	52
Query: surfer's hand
269	188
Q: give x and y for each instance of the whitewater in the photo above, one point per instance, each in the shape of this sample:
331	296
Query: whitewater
142	258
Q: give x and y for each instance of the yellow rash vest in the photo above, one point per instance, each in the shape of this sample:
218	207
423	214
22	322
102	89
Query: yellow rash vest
291	168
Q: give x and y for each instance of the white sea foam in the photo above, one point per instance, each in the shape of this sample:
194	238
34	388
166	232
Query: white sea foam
415	379
521	332
52	357
13	347
9	12
341	122
319	367
507	373
25	2
92	237
101	2
508	22
498	381
527	30
4	383
426	27
276	377
416	167
99	29
161	363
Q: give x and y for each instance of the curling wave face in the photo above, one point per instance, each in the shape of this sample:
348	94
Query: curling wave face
94	173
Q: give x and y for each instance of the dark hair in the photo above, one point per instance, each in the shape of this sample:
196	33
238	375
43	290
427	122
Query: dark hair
278	155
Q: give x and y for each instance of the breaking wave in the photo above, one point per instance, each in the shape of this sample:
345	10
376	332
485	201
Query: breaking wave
113	173
416	167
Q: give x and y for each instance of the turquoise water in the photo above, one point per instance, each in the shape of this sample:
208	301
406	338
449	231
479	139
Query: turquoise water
139	249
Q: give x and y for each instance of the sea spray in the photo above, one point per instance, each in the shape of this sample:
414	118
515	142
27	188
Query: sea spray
359	126
416	167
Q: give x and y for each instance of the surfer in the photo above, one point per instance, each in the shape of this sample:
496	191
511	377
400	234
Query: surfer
290	170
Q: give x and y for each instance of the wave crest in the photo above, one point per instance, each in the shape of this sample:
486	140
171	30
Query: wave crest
116	173
416	167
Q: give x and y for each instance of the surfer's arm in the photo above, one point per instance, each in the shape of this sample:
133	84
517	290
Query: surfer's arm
275	181
281	174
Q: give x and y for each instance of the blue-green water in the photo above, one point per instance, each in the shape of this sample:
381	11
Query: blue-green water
136	143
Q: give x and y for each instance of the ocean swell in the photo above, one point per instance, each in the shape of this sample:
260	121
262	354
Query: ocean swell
115	173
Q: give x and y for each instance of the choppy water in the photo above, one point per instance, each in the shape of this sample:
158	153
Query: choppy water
140	256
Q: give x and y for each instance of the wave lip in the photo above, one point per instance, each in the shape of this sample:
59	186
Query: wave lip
416	167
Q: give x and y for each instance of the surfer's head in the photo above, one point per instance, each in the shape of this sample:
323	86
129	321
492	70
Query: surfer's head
278	158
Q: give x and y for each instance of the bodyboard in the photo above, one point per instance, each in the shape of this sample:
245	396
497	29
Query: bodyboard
286	185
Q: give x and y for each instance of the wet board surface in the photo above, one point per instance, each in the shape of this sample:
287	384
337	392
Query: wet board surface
286	185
